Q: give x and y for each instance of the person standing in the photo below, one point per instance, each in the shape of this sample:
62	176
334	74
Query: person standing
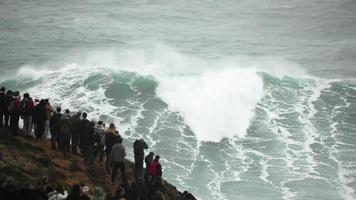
109	142
118	154
39	118
155	169
139	146
99	141
14	110
55	128
2	106
27	106
86	139
7	100
49	111
65	135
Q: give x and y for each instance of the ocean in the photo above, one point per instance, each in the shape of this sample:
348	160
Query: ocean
242	99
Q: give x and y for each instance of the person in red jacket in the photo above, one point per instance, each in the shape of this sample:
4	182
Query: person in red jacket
155	169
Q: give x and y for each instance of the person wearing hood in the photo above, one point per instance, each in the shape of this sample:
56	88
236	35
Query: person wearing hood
27	106
118	154
99	137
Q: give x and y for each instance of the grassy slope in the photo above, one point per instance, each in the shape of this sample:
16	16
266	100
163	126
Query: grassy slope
27	160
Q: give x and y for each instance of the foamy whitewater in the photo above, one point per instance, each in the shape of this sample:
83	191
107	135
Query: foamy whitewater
242	100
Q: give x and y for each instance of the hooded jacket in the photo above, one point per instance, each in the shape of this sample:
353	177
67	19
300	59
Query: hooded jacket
118	153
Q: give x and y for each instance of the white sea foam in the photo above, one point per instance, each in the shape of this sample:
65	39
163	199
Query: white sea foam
216	97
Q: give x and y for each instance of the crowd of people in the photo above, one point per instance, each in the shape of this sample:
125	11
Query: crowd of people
76	135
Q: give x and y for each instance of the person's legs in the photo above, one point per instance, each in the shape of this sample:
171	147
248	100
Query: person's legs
101	152
108	163
29	125
46	130
53	140
123	172
7	117
114	171
74	143
2	119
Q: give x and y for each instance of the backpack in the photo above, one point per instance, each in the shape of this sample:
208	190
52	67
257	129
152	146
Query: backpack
14	106
27	106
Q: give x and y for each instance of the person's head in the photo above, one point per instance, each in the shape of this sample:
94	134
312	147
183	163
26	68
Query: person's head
9	92
112	128
100	123
26	95
58	109
67	111
157	158
151	154
16	93
79	113
85	190
3	89
46	101
84	115
119	140
117	133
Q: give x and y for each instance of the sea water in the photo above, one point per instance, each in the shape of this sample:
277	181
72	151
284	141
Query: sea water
241	99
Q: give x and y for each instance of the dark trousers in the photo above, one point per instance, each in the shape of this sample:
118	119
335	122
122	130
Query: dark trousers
39	129
54	139
108	161
2	119
74	143
138	168
6	119
87	152
122	167
65	146
99	151
14	123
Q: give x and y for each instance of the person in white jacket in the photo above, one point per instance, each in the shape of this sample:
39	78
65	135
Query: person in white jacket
59	194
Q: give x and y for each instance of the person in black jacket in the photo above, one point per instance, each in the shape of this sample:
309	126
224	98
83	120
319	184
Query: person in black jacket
39	118
27	106
110	139
65	135
139	146
55	126
86	139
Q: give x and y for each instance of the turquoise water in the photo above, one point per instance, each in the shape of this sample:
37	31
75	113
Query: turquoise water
242	99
